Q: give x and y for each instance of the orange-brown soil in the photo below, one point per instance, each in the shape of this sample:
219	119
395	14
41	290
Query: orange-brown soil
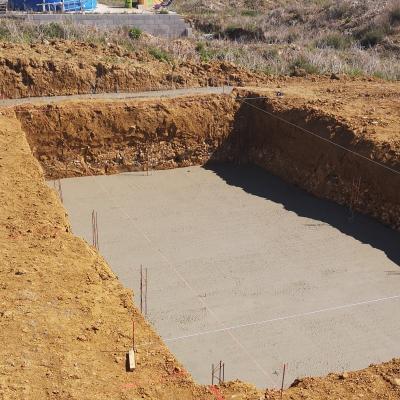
65	67
286	134
66	321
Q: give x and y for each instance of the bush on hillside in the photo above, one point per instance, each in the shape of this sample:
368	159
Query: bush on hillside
372	37
135	33
335	41
394	14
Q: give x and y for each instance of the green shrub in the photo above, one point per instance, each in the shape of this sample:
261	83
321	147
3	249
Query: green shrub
394	15
249	13
54	30
339	11
160	54
270	53
135	33
235	32
335	40
164	11
4	33
354	72
205	53
372	37
302	63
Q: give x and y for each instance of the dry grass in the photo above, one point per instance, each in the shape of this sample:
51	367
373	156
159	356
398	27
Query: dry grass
280	50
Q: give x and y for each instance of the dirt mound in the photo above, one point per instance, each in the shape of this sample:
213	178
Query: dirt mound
376	382
63	67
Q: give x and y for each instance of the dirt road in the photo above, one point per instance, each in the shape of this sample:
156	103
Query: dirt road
167	93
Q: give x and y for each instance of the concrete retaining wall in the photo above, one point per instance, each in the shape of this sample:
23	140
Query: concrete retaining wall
166	25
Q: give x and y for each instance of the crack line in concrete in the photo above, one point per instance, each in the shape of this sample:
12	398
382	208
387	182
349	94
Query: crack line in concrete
182	278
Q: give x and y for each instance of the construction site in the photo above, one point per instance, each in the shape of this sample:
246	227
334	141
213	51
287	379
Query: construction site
200	232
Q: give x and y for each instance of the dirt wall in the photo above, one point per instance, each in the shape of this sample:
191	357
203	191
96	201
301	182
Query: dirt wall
302	145
76	139
293	143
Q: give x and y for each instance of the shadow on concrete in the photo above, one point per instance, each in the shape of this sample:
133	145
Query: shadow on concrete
256	181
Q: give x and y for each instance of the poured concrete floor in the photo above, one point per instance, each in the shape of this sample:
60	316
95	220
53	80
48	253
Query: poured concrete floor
247	269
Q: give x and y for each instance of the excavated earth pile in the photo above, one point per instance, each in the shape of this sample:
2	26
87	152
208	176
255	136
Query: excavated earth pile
66	321
65	67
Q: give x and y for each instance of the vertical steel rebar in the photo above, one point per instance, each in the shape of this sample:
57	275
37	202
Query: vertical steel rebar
283	379
145	304
141	289
133	335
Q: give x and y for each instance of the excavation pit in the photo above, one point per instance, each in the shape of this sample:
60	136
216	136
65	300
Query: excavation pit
243	267
247	269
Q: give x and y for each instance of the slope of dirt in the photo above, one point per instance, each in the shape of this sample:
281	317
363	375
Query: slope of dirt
65	320
64	67
373	383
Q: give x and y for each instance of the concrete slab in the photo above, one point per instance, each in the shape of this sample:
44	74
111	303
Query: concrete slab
247	269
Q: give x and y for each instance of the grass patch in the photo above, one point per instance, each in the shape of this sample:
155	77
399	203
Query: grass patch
135	33
372	37
249	13
302	63
54	30
160	54
335	41
206	54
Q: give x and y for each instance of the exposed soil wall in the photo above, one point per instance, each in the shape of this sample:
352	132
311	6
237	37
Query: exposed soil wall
76	139
73	139
322	168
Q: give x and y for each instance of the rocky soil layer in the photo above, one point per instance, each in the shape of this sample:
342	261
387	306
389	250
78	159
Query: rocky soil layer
64	67
85	138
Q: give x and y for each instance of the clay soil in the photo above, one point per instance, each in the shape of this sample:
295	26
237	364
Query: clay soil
66	321
64	67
